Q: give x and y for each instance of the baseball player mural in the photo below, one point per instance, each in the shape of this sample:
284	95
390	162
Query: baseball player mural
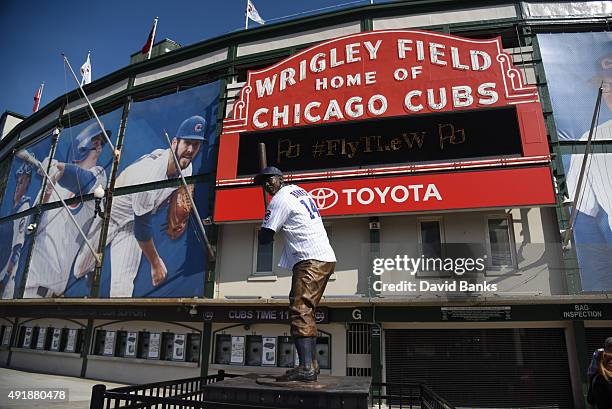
587	67
307	253
131	228
13	232
57	238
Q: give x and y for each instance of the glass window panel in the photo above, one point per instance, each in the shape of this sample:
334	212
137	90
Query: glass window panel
265	254
499	237
431	241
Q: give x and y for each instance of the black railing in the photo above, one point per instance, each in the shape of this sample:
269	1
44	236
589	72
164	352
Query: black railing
188	394
407	395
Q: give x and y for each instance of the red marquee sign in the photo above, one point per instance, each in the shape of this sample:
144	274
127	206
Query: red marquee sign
382	74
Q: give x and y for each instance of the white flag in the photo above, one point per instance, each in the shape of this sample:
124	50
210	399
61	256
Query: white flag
86	71
253	14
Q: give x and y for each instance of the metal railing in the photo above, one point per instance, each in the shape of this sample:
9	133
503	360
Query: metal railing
407	395
188	394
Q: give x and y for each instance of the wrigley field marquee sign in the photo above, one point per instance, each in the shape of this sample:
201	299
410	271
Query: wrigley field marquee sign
386	103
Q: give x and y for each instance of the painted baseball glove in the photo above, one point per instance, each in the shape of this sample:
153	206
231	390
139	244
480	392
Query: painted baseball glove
179	209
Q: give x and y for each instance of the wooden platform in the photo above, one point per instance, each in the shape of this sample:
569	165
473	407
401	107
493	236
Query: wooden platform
262	390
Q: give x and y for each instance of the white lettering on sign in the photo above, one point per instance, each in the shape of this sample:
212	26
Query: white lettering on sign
462	96
349	54
438	54
582	311
423	65
397	194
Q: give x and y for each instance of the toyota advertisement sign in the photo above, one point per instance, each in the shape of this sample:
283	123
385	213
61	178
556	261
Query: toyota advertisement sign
445	191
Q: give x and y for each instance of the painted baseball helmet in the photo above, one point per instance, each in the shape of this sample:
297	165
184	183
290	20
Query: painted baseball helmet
192	128
82	144
24	169
265	172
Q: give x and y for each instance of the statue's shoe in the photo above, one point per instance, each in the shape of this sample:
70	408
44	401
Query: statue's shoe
299	374
315	365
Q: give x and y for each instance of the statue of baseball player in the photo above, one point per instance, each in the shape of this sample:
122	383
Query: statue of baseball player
13	232
130	231
57	239
307	253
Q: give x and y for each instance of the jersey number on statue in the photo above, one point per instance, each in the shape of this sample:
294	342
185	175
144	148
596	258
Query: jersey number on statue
312	209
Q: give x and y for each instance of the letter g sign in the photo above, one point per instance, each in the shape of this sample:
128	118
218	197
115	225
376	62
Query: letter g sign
356	314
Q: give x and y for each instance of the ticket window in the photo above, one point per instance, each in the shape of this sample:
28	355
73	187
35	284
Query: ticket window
254	346
223	351
194	343
286	352
143	345
323	353
121	343
99	342
167	346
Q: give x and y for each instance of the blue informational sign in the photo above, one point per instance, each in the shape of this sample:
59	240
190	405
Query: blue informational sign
189	116
593	224
14	248
576	64
144	257
24	180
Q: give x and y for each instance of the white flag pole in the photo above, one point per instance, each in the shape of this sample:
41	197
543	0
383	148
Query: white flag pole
587	152
115	151
246	16
152	38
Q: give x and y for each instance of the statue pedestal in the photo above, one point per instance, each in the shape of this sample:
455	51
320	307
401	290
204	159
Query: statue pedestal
263	390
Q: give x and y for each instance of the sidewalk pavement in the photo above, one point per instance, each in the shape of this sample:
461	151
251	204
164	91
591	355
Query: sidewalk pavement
79	390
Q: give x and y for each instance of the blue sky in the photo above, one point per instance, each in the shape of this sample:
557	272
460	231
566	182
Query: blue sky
35	33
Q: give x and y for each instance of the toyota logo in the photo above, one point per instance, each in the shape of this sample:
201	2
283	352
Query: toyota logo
324	197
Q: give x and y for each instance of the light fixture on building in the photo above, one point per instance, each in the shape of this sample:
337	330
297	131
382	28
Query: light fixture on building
193	311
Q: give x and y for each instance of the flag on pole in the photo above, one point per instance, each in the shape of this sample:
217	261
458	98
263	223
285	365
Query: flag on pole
37	97
86	71
252	13
146	49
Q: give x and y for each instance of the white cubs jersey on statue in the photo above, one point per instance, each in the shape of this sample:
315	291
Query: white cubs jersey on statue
294	211
58	241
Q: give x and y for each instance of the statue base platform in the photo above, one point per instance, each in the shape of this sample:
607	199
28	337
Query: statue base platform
263	390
